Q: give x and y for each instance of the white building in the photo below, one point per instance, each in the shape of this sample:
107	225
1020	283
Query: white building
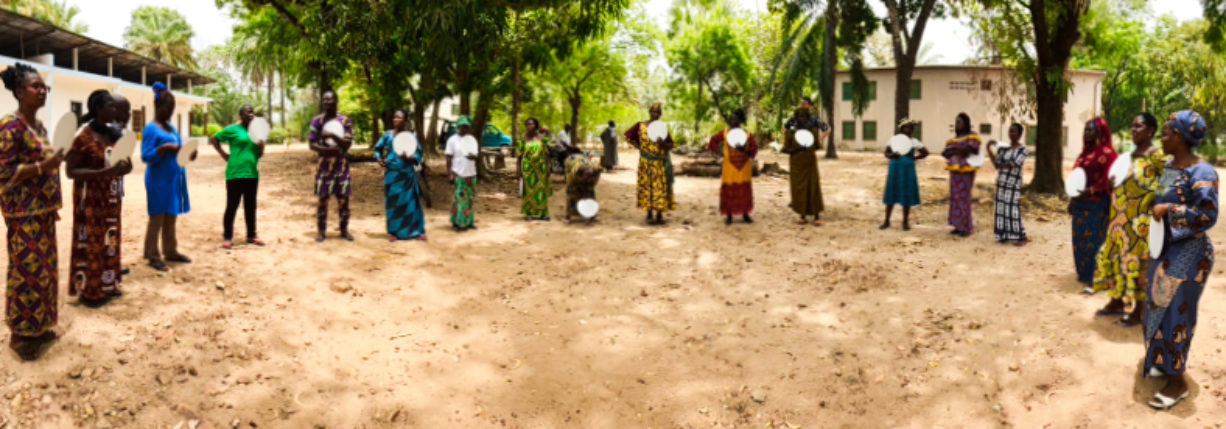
939	93
74	66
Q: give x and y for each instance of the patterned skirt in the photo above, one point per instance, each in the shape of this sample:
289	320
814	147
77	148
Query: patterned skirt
402	199
1089	231
1176	281
96	222
1009	225
31	292
655	184
960	212
537	188
463	211
332	177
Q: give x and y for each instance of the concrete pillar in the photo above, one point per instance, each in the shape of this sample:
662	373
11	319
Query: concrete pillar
74	59
143	80
110	66
189	85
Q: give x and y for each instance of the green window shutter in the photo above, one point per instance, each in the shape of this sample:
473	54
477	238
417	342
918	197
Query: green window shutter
872	90
847	91
870	131
849	130
916	89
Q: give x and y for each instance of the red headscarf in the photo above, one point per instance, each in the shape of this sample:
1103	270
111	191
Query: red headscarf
1096	158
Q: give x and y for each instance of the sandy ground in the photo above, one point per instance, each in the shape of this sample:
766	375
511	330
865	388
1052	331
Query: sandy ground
613	324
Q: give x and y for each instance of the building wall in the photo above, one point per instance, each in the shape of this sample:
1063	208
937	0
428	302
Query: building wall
70	87
946	91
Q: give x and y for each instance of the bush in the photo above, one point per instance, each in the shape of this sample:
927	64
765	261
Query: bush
214	129
277	136
195	130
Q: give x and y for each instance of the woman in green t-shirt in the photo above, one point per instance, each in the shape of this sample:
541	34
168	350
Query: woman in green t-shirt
242	175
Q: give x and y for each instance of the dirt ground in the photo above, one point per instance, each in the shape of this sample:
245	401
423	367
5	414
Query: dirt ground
612	324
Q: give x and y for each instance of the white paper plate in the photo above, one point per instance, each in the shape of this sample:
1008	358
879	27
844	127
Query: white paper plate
185	152
469	146
65	132
588	208
122	150
405	145
1075	183
737	138
1157	237
335	127
900	144
1121	169
975	160
657	130
804	138
259	130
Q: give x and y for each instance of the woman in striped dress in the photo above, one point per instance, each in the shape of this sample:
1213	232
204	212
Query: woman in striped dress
1009	161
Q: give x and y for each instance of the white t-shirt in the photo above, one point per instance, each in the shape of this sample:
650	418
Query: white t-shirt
460	165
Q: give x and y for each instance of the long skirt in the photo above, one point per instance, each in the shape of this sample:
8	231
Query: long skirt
806	184
96	222
1176	281
402	199
960	212
655	183
1008	225
537	188
31	292
902	184
1089	231
463	211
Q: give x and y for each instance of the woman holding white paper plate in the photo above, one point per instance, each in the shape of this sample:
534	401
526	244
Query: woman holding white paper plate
957	153
802	138
902	183
406	219
95	271
655	180
1089	209
1009	160
738	149
165	182
1124	257
246	140
1187	207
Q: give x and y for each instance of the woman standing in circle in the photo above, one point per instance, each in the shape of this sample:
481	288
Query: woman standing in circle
1090	209
29	170
1124	257
242	175
533	172
1188	203
1009	161
961	175
97	203
805	178
902	183
165	181
402	195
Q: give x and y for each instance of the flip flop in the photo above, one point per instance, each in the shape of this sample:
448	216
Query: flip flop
1162	402
227	245
817	223
256	242
1155	372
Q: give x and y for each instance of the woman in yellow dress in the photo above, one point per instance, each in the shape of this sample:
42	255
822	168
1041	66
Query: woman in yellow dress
655	184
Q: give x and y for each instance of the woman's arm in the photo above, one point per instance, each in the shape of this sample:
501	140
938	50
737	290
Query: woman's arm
1200	214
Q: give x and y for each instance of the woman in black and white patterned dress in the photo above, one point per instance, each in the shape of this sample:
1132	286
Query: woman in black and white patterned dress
1009	161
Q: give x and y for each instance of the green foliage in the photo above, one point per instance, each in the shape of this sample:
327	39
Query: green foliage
710	59
1114	40
277	136
54	12
160	33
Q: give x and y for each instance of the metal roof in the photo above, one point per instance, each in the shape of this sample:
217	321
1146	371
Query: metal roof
24	37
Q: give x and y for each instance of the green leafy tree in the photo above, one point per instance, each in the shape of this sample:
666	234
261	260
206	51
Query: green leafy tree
710	58
161	33
596	68
54	12
1114	40
906	21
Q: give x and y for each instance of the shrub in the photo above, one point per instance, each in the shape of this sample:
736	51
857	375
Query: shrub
277	136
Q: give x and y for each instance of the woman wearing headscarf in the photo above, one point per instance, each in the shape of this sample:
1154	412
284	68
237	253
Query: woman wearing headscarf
902	183
1090	209
165	181
736	178
406	219
805	177
655	182
242	175
1009	160
1187	205
29	172
463	168
961	175
533	171
97	186
1124	256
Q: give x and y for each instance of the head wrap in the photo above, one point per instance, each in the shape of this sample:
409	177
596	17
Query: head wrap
656	106
1191	126
907	121
463	121
1096	157
158	89
1104	135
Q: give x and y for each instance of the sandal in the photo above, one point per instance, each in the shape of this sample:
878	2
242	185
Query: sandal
1128	321
179	259
1162	402
256	242
817	222
347	236
227	245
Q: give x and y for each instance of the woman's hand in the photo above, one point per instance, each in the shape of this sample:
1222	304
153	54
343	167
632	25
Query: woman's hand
1161	210
120	168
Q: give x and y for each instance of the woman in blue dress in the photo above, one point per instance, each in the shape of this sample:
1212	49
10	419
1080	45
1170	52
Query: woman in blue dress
165	181
902	185
405	216
1187	205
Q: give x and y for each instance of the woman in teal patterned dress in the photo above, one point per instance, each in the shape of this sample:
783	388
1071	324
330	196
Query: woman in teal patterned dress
402	192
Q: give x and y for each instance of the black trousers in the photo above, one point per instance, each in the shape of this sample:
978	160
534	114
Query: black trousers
236	190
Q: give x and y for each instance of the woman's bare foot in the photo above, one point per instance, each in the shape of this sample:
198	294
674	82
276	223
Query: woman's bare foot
391	238
884	226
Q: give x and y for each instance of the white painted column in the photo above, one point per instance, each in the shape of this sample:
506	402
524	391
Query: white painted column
110	66
168	76
189	85
74	60
143	80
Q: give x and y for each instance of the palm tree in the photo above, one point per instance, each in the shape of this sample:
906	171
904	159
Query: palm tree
162	34
256	61
57	13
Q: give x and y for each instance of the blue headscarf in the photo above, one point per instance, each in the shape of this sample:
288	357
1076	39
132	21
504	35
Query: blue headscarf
1191	126
158	89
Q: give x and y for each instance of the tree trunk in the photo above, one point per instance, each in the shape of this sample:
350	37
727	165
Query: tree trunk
485	101
1049	143
432	133
269	99
516	93
281	78
698	108
902	93
829	66
466	106
576	102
